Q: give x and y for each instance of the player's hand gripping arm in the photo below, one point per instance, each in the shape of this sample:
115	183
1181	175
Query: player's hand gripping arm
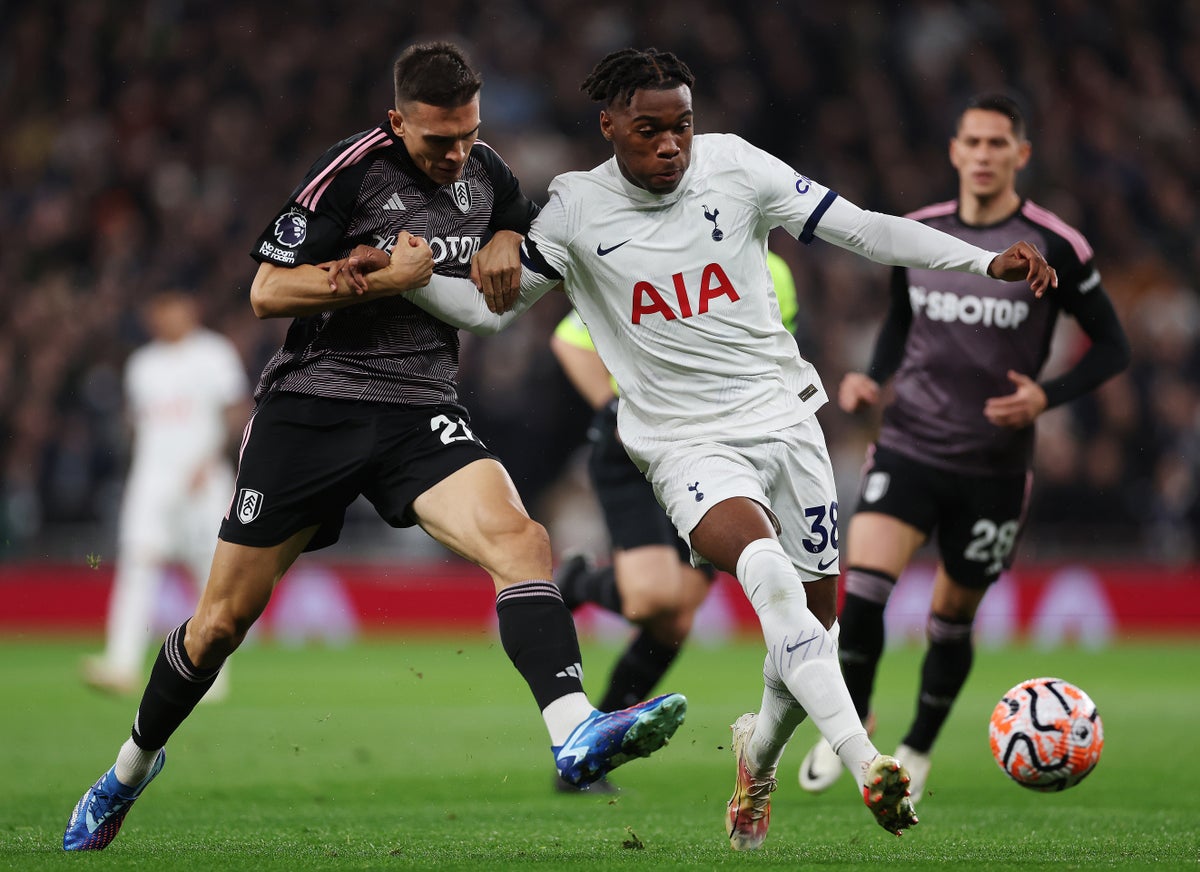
307	289
496	270
456	301
903	242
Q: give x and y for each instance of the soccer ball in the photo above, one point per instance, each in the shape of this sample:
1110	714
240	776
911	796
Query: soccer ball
1046	734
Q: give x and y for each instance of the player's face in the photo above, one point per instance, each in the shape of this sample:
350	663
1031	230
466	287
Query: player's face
987	154
652	137
171	316
438	139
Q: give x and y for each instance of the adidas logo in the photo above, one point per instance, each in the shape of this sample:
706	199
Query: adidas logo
394	203
575	670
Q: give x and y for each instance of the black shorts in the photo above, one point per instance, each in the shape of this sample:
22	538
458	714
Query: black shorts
305	459
631	511
978	518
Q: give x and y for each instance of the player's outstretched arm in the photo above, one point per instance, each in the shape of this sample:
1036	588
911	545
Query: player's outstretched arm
903	242
1021	261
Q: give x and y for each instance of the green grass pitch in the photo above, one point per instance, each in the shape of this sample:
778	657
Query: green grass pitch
429	753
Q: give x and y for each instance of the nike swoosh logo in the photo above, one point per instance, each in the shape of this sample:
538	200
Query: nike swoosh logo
792	648
822	565
601	250
811	774
93	824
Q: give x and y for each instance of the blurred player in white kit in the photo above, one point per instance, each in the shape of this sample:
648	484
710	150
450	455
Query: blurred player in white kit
186	400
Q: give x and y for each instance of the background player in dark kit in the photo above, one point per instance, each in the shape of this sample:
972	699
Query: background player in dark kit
955	449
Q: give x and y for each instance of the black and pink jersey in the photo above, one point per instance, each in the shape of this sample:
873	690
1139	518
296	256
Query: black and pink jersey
365	190
967	331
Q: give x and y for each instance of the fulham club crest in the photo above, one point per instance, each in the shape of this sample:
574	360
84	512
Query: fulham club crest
461	192
876	486
249	504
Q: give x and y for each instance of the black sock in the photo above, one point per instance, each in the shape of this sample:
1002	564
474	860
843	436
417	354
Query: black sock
943	674
538	635
639	669
174	688
584	583
862	638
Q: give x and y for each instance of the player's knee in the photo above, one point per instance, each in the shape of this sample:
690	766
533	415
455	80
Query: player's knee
644	603
517	549
671	628
215	634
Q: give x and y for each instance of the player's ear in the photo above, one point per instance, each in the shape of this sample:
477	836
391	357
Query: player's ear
397	121
606	125
1023	153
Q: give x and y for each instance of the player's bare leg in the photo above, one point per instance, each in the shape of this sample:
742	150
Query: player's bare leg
239	587
477	513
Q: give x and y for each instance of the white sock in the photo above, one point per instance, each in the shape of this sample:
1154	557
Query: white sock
778	718
856	754
565	714
130	612
133	763
802	651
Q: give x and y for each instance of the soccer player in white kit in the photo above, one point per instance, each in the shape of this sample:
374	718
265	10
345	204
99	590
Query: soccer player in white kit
662	251
186	398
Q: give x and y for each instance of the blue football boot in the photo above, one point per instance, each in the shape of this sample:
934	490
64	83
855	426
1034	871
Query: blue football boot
98	815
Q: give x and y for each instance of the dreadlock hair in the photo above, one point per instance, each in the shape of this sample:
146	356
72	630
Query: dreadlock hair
436	73
1002	103
622	72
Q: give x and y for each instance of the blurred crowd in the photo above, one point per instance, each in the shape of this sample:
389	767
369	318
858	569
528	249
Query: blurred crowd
147	143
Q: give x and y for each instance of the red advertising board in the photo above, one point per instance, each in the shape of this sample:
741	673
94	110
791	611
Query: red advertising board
317	600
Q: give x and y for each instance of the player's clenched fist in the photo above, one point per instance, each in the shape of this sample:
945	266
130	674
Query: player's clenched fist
409	266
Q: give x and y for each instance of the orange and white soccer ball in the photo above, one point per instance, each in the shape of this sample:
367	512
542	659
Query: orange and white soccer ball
1046	734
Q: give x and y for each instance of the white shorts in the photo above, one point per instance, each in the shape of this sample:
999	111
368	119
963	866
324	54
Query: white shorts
163	520
787	471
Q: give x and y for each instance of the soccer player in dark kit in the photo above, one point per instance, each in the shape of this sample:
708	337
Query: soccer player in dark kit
955	449
361	399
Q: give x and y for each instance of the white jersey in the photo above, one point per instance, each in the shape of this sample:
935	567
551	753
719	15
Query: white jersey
177	394
676	292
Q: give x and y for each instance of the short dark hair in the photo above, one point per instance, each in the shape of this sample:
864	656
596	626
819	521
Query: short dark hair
436	73
998	102
622	72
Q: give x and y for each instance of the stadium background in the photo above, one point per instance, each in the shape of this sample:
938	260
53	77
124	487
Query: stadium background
147	143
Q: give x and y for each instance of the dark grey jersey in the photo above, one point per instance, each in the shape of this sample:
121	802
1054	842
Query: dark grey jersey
966	332
366	190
